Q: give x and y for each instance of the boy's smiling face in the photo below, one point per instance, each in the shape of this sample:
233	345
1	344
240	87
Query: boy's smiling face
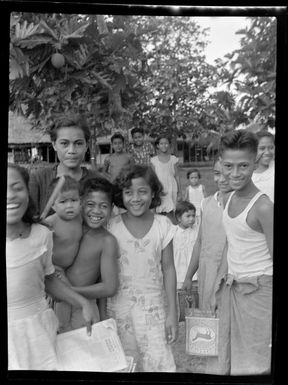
96	209
238	166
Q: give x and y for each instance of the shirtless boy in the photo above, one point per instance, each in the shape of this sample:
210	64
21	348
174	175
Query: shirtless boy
94	272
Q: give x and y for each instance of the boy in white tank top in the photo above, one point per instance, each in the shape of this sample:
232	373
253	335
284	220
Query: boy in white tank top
244	300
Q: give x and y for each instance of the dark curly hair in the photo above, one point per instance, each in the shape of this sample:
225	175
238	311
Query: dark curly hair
135	130
124	180
265	134
30	213
163	136
117	135
183	207
97	184
192	171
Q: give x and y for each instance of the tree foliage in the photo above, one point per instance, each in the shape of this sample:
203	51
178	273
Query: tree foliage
99	67
252	70
123	71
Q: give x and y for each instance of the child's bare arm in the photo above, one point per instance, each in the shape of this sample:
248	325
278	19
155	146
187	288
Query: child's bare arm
177	178
194	262
109	272
204	191
185	198
106	164
169	278
49	221
59	290
265	213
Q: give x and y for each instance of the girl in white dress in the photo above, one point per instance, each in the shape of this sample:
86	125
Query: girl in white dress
263	176
184	239
195	192
147	274
32	325
165	166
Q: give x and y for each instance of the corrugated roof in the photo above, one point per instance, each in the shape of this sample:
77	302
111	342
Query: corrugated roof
20	131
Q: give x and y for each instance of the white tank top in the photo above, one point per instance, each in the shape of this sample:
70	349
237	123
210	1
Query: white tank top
248	254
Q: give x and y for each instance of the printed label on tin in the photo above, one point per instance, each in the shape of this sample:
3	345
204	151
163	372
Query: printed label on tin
202	336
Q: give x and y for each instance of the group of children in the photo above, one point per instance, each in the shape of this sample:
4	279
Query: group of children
96	265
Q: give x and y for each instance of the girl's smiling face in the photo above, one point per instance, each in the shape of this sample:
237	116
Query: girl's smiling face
137	198
163	145
265	150
17	197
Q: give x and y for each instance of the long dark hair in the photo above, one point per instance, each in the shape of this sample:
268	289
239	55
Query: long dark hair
30	214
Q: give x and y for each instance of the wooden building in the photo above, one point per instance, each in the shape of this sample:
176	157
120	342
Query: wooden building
26	144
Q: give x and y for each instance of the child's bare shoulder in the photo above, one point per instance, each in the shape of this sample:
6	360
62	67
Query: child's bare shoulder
264	205
50	221
109	237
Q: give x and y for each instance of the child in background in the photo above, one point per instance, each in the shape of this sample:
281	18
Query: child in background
184	239
146	269
195	192
94	272
245	296
263	176
32	325
165	166
114	163
141	152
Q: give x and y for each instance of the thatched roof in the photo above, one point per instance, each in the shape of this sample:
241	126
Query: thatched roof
20	131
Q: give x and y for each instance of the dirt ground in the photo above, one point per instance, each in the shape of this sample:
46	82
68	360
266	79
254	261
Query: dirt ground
184	362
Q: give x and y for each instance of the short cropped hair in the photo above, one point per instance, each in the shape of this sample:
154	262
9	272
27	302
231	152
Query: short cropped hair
71	120
117	135
183	207
69	184
193	170
124	180
239	140
95	184
137	129
30	213
264	134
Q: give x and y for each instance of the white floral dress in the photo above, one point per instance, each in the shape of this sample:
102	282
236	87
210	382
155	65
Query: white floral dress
183	243
138	306
32	325
166	174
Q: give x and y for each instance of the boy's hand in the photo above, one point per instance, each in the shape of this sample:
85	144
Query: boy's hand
171	328
187	285
89	316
